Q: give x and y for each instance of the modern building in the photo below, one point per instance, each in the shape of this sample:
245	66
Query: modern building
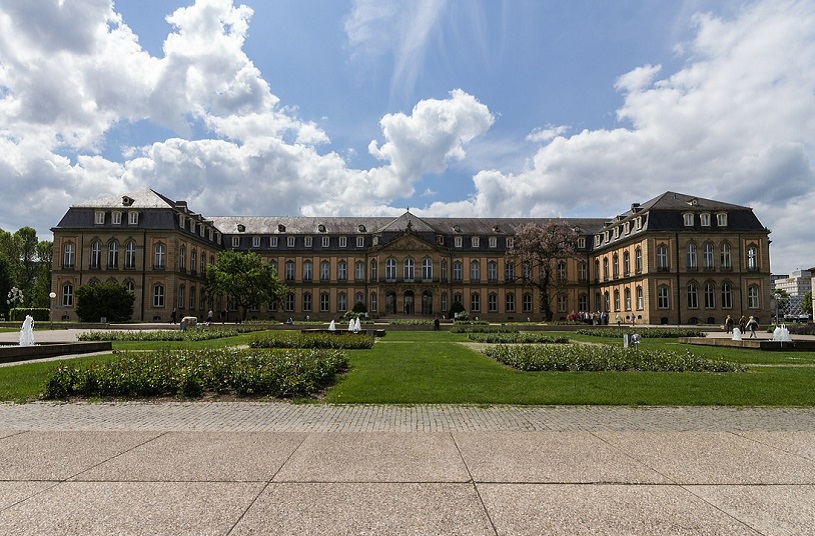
676	259
795	286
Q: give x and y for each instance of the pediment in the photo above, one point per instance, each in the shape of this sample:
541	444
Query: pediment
409	242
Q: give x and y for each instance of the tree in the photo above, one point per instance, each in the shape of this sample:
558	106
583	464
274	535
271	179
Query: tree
109	300
245	279
6	283
806	302
536	250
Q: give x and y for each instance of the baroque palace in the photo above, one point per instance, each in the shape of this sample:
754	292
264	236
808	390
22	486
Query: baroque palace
676	259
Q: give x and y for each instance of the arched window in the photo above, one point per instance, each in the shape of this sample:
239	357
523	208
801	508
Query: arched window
616	299
492	302
409	271
638	260
562	274
427	269
181	295
509	272
752	258
640	299
374	302
526	300
627	299
359	271
158	295
193	261
374	275
693	296
710	295
182	259
192	298
96	254
307	301
596	270
492	271
727	296
113	254
308	271
325	271
68	255
626	263
325	302
342	271
390	269
509	301
130	255
725	260
475	302
359	297
160	258
605	268
707	256
203	264
662	257
289	273
342	302
615	266
475	271
458	270
691	257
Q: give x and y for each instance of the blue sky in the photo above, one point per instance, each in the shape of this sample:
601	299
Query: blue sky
449	107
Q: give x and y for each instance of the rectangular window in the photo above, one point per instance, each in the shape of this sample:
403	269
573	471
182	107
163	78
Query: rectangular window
236	241
581	243
458	241
326	241
273	242
307	241
343	241
663	301
99	217
133	217
475	242
704	219
510	242
493	242
116	218
360	241
255	241
492	303
688	218
290	241
721	219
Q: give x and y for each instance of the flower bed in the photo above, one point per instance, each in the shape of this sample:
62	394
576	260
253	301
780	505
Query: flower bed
162	335
517	338
337	339
574	357
645	333
192	373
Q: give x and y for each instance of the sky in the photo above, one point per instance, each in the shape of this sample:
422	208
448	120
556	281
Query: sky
501	108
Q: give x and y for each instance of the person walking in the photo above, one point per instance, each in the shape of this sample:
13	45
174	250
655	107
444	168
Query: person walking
728	324
752	325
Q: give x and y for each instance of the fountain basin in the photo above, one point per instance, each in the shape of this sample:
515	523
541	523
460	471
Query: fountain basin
12	353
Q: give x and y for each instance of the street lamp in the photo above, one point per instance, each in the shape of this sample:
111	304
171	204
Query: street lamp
777	296
52	295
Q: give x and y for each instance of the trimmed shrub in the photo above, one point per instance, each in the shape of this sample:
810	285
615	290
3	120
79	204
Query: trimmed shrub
645	333
288	339
516	338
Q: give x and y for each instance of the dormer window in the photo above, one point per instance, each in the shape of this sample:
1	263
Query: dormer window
496	229
458	241
361	228
704	219
687	217
281	228
241	228
127	201
99	217
638	223
581	243
457	228
307	241
493	241
475	242
721	219
255	241
116	217
627	227
133	217
181	220
616	232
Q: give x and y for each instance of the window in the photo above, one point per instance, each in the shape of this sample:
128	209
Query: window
130	255
582	272
236	241
193	260
325	271
326	242
640	301
203	263
181	294
493	241
662	257
704	219
725	259
67	295
409	270
373	270
113	255
752	258
616	299
627	298
753	301
307	301
255	241
663	298
390	269
562	273
158	296
475	302
606	301
458	271
492	271
509	272
289	271
182	258
116	217
707	256
343	241
727	296
638	260
527	303
693	296
691	257
288	304
510	242
475	271
325	302
133	217
457	241
475	242
290	241
427	270
615	266
562	303
596	270
96	254
360	241
688	219
626	263
710	296
627	227
443	268
509	301
492	302
99	217
308	271
342	302
605	268
68	255
159	257
342	271
583	302
374	302
130	286
359	271
273	242
306	241
192	298
581	243
721	219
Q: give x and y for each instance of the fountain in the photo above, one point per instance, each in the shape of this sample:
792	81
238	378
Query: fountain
736	334
781	333
357	326
27	332
332	326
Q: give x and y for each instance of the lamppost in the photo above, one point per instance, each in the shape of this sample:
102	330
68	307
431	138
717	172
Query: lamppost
52	295
777	295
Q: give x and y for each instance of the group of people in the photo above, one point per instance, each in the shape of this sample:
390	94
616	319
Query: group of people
600	318
744	325
208	321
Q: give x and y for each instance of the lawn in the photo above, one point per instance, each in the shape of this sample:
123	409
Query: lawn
441	368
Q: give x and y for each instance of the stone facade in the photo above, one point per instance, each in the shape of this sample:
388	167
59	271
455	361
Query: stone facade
674	259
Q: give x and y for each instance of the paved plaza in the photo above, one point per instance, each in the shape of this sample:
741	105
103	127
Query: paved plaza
235	468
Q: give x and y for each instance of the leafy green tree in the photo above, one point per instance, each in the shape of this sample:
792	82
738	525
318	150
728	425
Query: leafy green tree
536	250
42	279
245	279
806	303
109	300
6	283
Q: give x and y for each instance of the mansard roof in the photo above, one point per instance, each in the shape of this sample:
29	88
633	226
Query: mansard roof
145	198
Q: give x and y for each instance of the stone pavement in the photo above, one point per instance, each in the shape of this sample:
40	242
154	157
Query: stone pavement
278	468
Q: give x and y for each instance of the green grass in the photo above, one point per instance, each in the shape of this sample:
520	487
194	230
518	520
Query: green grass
416	367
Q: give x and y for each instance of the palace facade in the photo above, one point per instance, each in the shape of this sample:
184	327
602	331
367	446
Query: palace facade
676	259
